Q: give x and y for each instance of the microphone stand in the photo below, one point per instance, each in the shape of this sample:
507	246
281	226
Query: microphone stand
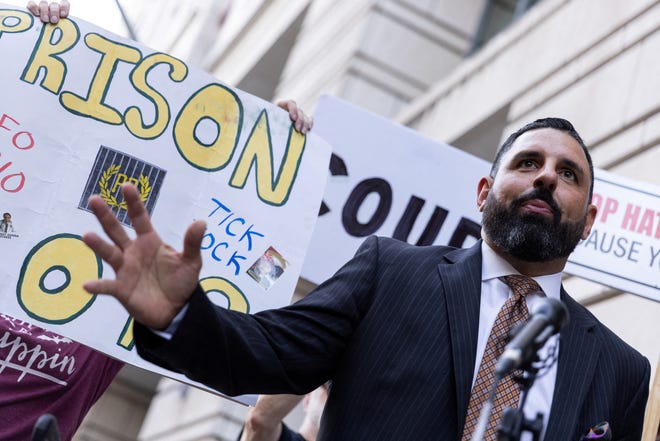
514	422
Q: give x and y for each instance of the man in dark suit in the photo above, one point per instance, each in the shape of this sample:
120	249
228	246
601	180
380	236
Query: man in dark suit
404	332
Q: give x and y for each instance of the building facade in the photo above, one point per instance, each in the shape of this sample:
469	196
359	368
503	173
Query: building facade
462	72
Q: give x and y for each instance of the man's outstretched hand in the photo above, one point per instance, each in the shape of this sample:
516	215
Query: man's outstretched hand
152	280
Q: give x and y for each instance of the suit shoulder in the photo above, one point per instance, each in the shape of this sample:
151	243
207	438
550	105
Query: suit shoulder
388	245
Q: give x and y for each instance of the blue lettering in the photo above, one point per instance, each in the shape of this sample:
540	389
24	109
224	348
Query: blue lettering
234	259
220	205
249	233
238	219
215	257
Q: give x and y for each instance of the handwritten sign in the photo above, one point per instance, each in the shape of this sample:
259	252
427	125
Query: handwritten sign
386	179
83	111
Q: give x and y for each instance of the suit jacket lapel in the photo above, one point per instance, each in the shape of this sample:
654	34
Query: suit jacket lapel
578	346
461	280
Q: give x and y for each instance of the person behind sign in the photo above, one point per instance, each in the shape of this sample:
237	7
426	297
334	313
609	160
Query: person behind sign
43	372
40	371
264	421
402	330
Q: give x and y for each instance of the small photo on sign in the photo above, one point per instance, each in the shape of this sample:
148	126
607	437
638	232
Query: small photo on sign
113	168
7	230
268	268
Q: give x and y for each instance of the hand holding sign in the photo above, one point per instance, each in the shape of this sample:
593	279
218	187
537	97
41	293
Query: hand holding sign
153	281
300	120
49	13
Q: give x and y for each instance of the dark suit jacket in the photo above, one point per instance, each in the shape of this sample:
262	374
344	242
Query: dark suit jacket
396	330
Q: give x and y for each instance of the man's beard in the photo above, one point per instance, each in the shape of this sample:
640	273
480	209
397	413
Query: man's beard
530	237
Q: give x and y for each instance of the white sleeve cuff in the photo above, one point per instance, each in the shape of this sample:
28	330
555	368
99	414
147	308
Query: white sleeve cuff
173	326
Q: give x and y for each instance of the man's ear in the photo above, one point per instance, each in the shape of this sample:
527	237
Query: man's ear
485	184
592	211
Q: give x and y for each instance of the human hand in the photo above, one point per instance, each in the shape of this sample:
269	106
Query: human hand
49	13
300	120
264	420
313	404
152	280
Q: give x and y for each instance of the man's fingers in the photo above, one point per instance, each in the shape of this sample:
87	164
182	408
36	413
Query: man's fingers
109	222
136	209
192	241
105	250
54	12
101	286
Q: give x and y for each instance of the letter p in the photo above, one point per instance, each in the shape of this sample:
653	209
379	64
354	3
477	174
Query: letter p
14	21
611	205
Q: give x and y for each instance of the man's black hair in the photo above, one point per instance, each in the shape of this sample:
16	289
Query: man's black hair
545	123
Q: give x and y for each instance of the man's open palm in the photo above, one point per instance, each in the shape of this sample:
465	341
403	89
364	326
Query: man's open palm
152	280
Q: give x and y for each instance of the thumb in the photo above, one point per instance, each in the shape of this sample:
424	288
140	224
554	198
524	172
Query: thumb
192	241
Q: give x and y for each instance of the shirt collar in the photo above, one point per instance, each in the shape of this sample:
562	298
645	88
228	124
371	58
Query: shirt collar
494	266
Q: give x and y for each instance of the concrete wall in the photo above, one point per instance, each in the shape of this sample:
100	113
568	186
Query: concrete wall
377	54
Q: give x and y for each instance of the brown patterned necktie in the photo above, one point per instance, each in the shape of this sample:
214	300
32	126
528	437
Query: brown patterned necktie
513	311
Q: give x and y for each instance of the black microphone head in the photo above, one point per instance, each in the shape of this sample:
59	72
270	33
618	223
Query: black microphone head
553	310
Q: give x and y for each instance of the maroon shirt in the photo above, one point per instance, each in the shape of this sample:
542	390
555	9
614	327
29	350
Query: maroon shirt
42	372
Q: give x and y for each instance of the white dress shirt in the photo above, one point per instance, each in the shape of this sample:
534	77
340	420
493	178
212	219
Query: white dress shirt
494	293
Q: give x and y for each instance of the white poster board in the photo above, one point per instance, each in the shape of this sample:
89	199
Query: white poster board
84	110
623	249
388	180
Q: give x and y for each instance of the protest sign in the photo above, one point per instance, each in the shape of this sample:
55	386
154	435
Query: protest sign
623	248
83	111
388	180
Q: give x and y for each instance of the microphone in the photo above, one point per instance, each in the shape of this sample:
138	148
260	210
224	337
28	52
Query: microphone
547	318
45	429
